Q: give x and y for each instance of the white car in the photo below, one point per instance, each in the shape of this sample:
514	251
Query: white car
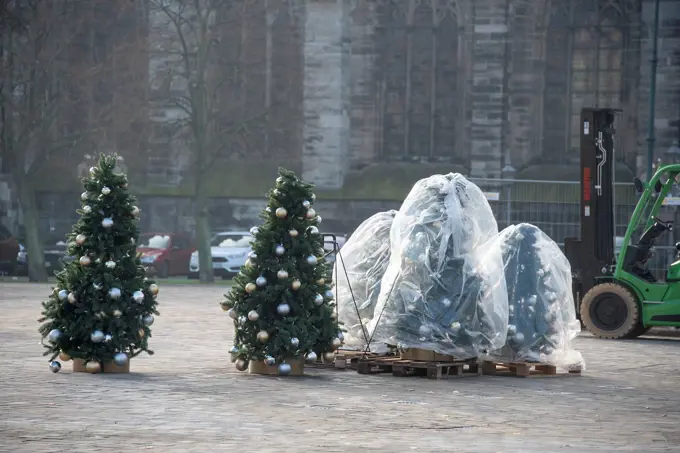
229	252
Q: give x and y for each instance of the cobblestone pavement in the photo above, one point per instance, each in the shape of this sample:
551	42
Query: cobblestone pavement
189	398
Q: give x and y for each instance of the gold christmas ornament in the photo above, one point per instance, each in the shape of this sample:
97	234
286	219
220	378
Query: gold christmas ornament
262	336
293	233
85	260
311	213
295	285
241	365
250	287
320	281
336	343
72	298
328	357
64	357
141	333
117	313
154	289
225	306
281	213
80	239
93	366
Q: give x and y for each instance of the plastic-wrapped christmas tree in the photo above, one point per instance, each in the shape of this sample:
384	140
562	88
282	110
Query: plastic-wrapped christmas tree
542	317
102	307
281	302
364	258
444	289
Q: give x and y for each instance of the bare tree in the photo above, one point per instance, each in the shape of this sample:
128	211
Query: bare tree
194	68
34	42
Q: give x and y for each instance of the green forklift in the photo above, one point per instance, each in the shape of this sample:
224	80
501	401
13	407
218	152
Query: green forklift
616	295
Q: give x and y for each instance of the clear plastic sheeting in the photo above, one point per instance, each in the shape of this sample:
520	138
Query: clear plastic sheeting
444	288
542	317
365	257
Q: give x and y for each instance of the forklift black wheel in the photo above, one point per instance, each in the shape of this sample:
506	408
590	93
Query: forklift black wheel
611	311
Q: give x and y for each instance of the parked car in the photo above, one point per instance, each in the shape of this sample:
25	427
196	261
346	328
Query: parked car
229	251
9	251
165	254
56	256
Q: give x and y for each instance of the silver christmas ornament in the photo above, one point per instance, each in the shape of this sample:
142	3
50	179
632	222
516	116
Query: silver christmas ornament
85	261
106	190
519	337
281	213
62	295
318	220
97	336
311	357
148	319
87	209
424	330
294	342
55	366
341	336
269	360
80	239
114	293
136	211
313	230
311	260
253	232
54	335
283	309
261	281
241	365
83	196
311	213
455	327
120	359
107	222
318	299
284	369
328	295
108	338
280	250
282	274
232	313
138	296
110	265
293	233
512	329
253	315
233	351
306	204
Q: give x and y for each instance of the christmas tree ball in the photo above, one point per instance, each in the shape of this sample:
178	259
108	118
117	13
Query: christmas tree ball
55	366
281	213
93	366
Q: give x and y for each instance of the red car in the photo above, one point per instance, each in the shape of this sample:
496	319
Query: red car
165	254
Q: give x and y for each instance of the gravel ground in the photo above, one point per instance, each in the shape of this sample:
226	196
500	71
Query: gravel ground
189	398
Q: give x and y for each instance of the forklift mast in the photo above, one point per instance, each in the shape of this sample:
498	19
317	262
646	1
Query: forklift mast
592	255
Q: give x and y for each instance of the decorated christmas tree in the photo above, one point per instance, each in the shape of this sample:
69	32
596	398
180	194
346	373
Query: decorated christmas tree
102	307
281	302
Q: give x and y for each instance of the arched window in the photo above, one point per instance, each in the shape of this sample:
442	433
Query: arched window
584	68
417	46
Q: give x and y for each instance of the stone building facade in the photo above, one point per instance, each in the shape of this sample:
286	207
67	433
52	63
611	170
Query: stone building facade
363	97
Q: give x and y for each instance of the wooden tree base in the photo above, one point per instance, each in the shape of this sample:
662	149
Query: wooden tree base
297	368
107	367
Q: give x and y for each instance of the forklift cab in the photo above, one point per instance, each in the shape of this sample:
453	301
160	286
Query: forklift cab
646	228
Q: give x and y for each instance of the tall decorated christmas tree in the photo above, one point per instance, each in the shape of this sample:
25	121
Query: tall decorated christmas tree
281	302
102	307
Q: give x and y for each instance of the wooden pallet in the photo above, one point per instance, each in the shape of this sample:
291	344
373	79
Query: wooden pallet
345	359
524	369
433	370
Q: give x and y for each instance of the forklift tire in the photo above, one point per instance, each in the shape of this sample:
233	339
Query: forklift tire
611	311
